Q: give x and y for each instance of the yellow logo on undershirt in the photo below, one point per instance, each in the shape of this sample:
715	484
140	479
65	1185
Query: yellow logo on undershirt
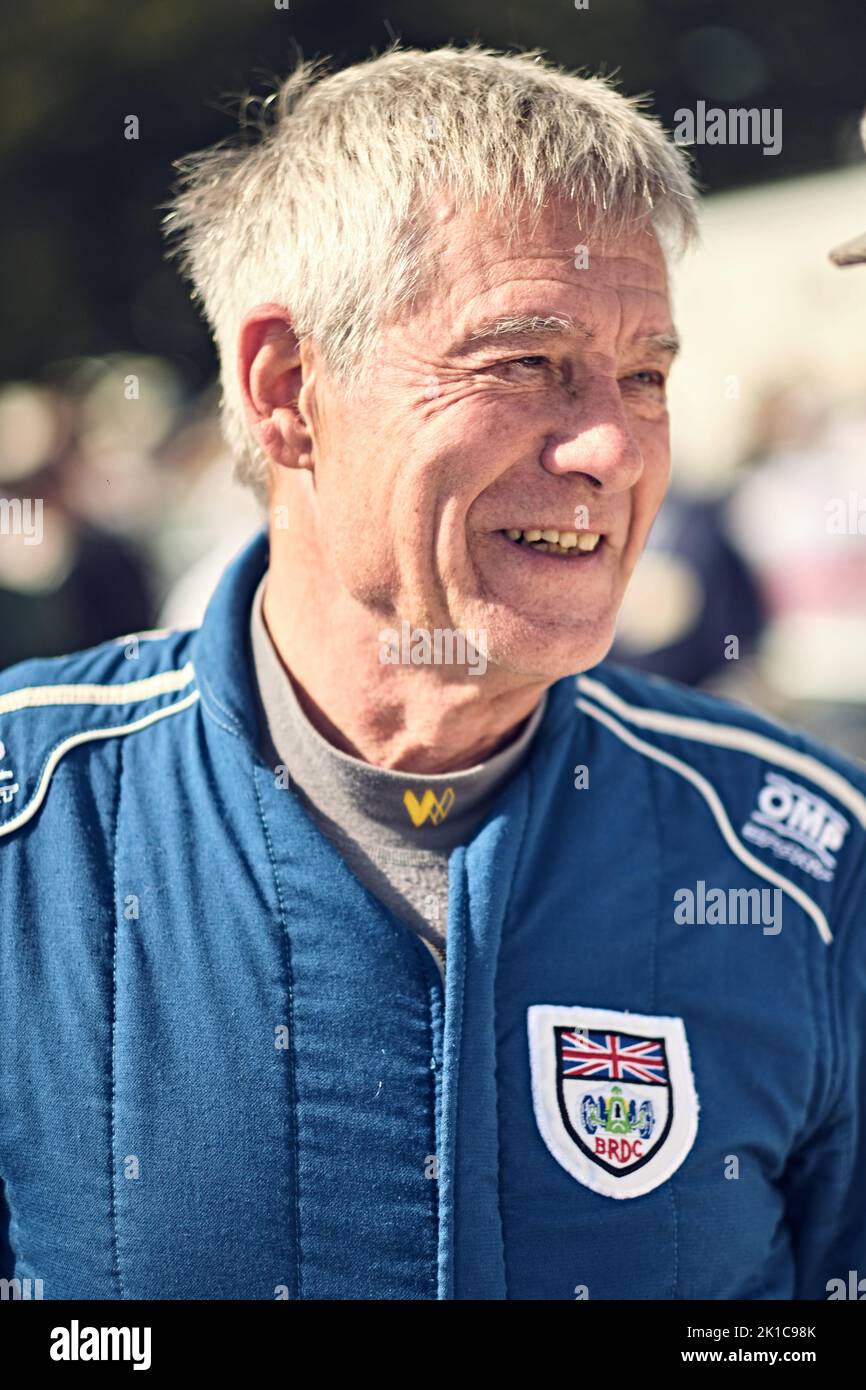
428	808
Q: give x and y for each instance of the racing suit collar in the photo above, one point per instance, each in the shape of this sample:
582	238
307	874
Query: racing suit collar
222	654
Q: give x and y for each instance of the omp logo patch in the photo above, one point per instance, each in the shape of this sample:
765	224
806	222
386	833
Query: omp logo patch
796	824
428	808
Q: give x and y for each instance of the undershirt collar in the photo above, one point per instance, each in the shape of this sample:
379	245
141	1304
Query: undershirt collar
353	794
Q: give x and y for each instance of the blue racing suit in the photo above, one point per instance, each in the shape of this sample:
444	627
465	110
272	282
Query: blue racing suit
228	1071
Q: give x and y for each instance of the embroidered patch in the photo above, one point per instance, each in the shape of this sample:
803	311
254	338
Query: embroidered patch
796	824
614	1095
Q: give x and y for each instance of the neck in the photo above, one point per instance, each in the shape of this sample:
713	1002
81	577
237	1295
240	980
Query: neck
423	719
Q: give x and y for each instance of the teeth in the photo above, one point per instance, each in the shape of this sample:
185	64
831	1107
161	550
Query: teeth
556	541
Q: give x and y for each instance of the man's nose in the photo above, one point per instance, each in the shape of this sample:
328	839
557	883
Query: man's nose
594	438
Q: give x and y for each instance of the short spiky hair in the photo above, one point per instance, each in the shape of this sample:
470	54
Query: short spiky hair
325	211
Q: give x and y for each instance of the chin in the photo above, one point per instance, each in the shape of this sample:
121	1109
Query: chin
550	652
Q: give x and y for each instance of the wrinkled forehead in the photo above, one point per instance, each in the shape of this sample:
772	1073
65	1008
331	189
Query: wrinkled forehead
543	261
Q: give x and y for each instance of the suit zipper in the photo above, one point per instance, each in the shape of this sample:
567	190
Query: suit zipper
438	956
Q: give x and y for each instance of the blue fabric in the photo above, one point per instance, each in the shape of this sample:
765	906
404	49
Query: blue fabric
229	1072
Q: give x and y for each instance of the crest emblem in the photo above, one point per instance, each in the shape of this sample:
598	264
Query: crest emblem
613	1093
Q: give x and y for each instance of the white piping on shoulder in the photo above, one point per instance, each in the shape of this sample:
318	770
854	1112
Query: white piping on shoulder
148	634
125	693
710	795
730	736
90	736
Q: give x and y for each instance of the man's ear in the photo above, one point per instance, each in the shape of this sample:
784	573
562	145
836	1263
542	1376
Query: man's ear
271	375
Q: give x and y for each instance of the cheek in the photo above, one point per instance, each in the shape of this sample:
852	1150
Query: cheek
653	440
349	484
362	562
652	485
658	473
350	523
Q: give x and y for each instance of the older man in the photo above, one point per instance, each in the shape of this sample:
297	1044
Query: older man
235	1063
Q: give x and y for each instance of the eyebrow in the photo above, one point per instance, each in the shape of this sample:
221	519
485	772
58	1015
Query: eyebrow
517	327
521	324
668	343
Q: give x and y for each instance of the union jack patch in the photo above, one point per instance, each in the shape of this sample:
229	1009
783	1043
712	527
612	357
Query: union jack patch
613	1093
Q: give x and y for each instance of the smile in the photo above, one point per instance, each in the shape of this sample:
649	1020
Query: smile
571	544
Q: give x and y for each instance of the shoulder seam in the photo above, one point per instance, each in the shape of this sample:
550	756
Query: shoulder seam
732	736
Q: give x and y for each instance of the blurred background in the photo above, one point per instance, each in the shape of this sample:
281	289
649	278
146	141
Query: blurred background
754	583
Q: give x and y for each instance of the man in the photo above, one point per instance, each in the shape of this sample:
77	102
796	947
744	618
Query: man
236	1064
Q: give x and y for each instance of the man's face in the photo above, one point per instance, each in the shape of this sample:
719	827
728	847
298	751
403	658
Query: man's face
466	433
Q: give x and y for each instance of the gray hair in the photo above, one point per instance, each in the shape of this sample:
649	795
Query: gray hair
326	211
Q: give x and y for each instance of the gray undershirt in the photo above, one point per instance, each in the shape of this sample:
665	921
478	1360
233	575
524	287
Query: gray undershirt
361	808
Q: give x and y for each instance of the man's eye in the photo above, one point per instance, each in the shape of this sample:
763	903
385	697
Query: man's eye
648	378
526	362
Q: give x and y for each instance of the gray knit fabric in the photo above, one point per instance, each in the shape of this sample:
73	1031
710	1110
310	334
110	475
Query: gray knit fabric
361	808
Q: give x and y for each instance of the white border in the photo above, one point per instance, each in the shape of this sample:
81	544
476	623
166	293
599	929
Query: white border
541	1020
